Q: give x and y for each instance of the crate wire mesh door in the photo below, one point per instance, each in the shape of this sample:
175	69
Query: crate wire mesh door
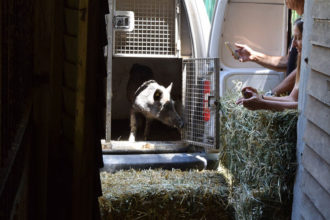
155	31
200	98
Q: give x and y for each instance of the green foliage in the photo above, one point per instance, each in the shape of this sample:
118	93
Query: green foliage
210	7
294	17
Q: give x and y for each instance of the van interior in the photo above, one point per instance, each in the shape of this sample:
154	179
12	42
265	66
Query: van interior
188	23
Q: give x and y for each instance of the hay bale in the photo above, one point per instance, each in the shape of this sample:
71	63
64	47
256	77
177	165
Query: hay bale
163	194
257	161
258	149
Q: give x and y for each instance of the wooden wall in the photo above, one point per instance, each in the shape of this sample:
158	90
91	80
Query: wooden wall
45	152
315	180
69	88
60	52
74	167
84	70
16	73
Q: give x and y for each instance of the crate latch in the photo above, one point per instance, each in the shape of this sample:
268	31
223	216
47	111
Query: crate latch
123	21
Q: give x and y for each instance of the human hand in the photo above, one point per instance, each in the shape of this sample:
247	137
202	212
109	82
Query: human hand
248	92
254	103
244	52
251	99
239	101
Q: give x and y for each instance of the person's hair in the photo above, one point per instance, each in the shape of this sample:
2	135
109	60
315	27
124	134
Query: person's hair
299	24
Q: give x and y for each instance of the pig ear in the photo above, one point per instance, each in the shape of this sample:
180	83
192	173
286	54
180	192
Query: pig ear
158	95
169	88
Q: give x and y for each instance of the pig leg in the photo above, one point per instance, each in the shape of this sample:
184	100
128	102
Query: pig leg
147	128
132	134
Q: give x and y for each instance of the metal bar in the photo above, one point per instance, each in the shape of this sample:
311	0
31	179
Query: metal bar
217	98
145	147
112	9
196	143
198	59
177	28
109	72
144	55
184	82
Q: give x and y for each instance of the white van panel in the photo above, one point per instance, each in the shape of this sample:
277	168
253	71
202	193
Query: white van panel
263	80
260	1
199	26
260	26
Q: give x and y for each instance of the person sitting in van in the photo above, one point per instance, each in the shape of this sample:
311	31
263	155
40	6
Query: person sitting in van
252	100
278	63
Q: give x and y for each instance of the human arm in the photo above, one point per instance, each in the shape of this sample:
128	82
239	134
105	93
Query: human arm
255	101
286	85
277	63
257	104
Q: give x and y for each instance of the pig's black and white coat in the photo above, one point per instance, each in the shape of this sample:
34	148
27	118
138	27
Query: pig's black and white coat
151	99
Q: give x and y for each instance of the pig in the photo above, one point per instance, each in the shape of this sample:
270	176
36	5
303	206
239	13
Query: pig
150	99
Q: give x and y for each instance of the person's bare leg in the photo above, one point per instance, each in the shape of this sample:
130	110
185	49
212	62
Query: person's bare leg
286	85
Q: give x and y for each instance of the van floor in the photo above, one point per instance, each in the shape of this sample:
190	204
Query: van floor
158	131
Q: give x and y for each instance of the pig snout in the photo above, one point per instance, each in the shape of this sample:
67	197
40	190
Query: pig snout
176	122
170	117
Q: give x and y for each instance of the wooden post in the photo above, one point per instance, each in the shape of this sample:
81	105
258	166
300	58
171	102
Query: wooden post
56	150
41	104
81	174
90	56
1	33
81	78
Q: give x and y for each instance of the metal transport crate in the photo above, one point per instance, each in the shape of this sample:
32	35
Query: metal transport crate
156	29
201	97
